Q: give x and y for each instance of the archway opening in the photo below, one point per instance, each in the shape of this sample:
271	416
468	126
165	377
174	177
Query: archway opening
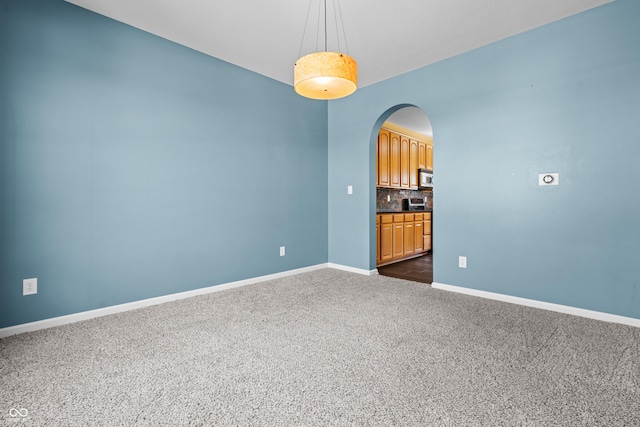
402	193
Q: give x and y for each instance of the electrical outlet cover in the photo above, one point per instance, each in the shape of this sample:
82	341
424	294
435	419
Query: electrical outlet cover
30	286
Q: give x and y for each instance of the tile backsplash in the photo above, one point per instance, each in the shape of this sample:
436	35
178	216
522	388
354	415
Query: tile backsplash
396	196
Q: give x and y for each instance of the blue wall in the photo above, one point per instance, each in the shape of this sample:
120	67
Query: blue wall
562	98
128	165
132	167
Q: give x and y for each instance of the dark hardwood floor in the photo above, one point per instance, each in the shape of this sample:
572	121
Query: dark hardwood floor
417	269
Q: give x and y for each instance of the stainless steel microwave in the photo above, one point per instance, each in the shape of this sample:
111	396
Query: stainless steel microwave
425	179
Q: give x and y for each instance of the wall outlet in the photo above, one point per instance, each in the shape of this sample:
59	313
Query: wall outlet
388	197
462	261
30	286
281	250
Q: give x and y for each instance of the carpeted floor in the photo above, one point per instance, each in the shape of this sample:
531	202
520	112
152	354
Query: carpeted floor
326	348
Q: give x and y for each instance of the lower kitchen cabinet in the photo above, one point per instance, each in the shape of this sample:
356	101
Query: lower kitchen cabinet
418	234
385	238
402	236
409	241
426	225
398	236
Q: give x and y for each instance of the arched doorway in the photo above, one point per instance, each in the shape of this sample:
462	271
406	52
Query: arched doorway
403	143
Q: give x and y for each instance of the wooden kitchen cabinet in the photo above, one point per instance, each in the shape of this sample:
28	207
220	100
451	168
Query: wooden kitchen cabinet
418	236
409	235
385	238
426	231
405	162
429	157
402	236
377	239
394	160
398	158
422	154
413	163
398	236
384	148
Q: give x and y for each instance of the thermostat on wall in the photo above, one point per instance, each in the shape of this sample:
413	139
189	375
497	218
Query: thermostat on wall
551	178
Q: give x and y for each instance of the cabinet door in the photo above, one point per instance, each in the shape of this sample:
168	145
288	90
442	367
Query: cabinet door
398	240
422	155
419	237
383	158
386	242
430	157
405	156
426	224
427	242
378	253
385	251
413	163
409	238
394	159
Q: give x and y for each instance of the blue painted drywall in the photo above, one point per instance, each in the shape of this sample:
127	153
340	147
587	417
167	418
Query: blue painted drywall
561	98
132	167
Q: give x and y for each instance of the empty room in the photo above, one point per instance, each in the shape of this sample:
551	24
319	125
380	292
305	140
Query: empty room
319	213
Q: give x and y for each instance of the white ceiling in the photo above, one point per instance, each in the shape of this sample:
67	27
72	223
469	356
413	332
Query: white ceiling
413	118
386	38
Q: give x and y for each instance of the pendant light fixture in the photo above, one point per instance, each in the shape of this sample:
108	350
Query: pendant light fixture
325	75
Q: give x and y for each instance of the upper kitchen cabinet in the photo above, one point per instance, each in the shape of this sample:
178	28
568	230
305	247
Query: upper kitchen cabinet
400	153
389	158
422	154
383	163
413	163
425	155
405	162
394	159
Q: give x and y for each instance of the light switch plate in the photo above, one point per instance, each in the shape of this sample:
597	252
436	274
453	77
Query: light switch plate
462	261
350	189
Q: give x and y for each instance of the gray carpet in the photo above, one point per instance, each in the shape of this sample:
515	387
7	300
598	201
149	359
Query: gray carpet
326	348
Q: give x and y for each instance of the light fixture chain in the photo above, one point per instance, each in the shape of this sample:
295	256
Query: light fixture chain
306	22
325	25
337	12
318	27
344	33
335	20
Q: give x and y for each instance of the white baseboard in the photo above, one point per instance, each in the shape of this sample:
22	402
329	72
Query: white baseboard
597	315
352	269
85	315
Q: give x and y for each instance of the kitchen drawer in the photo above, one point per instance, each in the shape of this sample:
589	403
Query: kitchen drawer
398	218
408	217
427	215
418	217
386	219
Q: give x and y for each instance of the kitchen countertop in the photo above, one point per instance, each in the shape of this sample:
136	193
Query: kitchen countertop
383	211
